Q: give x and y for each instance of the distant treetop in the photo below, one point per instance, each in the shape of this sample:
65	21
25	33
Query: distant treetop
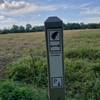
30	28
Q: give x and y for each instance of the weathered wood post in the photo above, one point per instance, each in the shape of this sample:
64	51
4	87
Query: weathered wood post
54	43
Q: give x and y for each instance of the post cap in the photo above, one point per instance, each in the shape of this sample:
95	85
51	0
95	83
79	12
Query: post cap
53	19
53	22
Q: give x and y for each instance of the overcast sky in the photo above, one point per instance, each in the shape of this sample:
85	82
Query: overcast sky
35	12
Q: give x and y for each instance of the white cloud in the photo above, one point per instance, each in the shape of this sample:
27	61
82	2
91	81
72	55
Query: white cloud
17	8
1	1
92	20
9	10
28	9
13	5
21	7
85	5
91	11
12	8
2	17
84	9
76	7
7	22
84	20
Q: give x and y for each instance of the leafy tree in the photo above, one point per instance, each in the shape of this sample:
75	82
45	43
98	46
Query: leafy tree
28	27
5	31
68	26
21	29
14	29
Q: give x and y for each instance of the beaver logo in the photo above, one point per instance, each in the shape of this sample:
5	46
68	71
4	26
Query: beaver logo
54	35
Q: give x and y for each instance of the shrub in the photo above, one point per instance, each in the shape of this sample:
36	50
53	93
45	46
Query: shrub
83	53
29	71
82	72
81	80
10	90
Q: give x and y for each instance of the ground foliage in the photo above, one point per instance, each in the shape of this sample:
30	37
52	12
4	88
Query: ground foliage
82	70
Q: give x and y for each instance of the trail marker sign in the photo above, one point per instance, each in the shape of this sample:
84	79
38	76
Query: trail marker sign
54	43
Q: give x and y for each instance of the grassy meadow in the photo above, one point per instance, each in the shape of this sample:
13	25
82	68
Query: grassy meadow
23	65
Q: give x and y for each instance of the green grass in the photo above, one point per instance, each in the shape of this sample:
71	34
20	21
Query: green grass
10	90
24	56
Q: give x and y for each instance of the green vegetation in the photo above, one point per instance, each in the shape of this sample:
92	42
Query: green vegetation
10	90
26	77
29	70
29	28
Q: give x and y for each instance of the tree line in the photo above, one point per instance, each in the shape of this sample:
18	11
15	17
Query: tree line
30	28
22	29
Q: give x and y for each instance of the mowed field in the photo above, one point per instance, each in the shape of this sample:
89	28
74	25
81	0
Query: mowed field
23	61
13	46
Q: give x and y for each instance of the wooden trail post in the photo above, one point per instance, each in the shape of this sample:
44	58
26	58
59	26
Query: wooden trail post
54	43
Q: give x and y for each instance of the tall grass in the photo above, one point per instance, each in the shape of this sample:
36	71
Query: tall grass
82	67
